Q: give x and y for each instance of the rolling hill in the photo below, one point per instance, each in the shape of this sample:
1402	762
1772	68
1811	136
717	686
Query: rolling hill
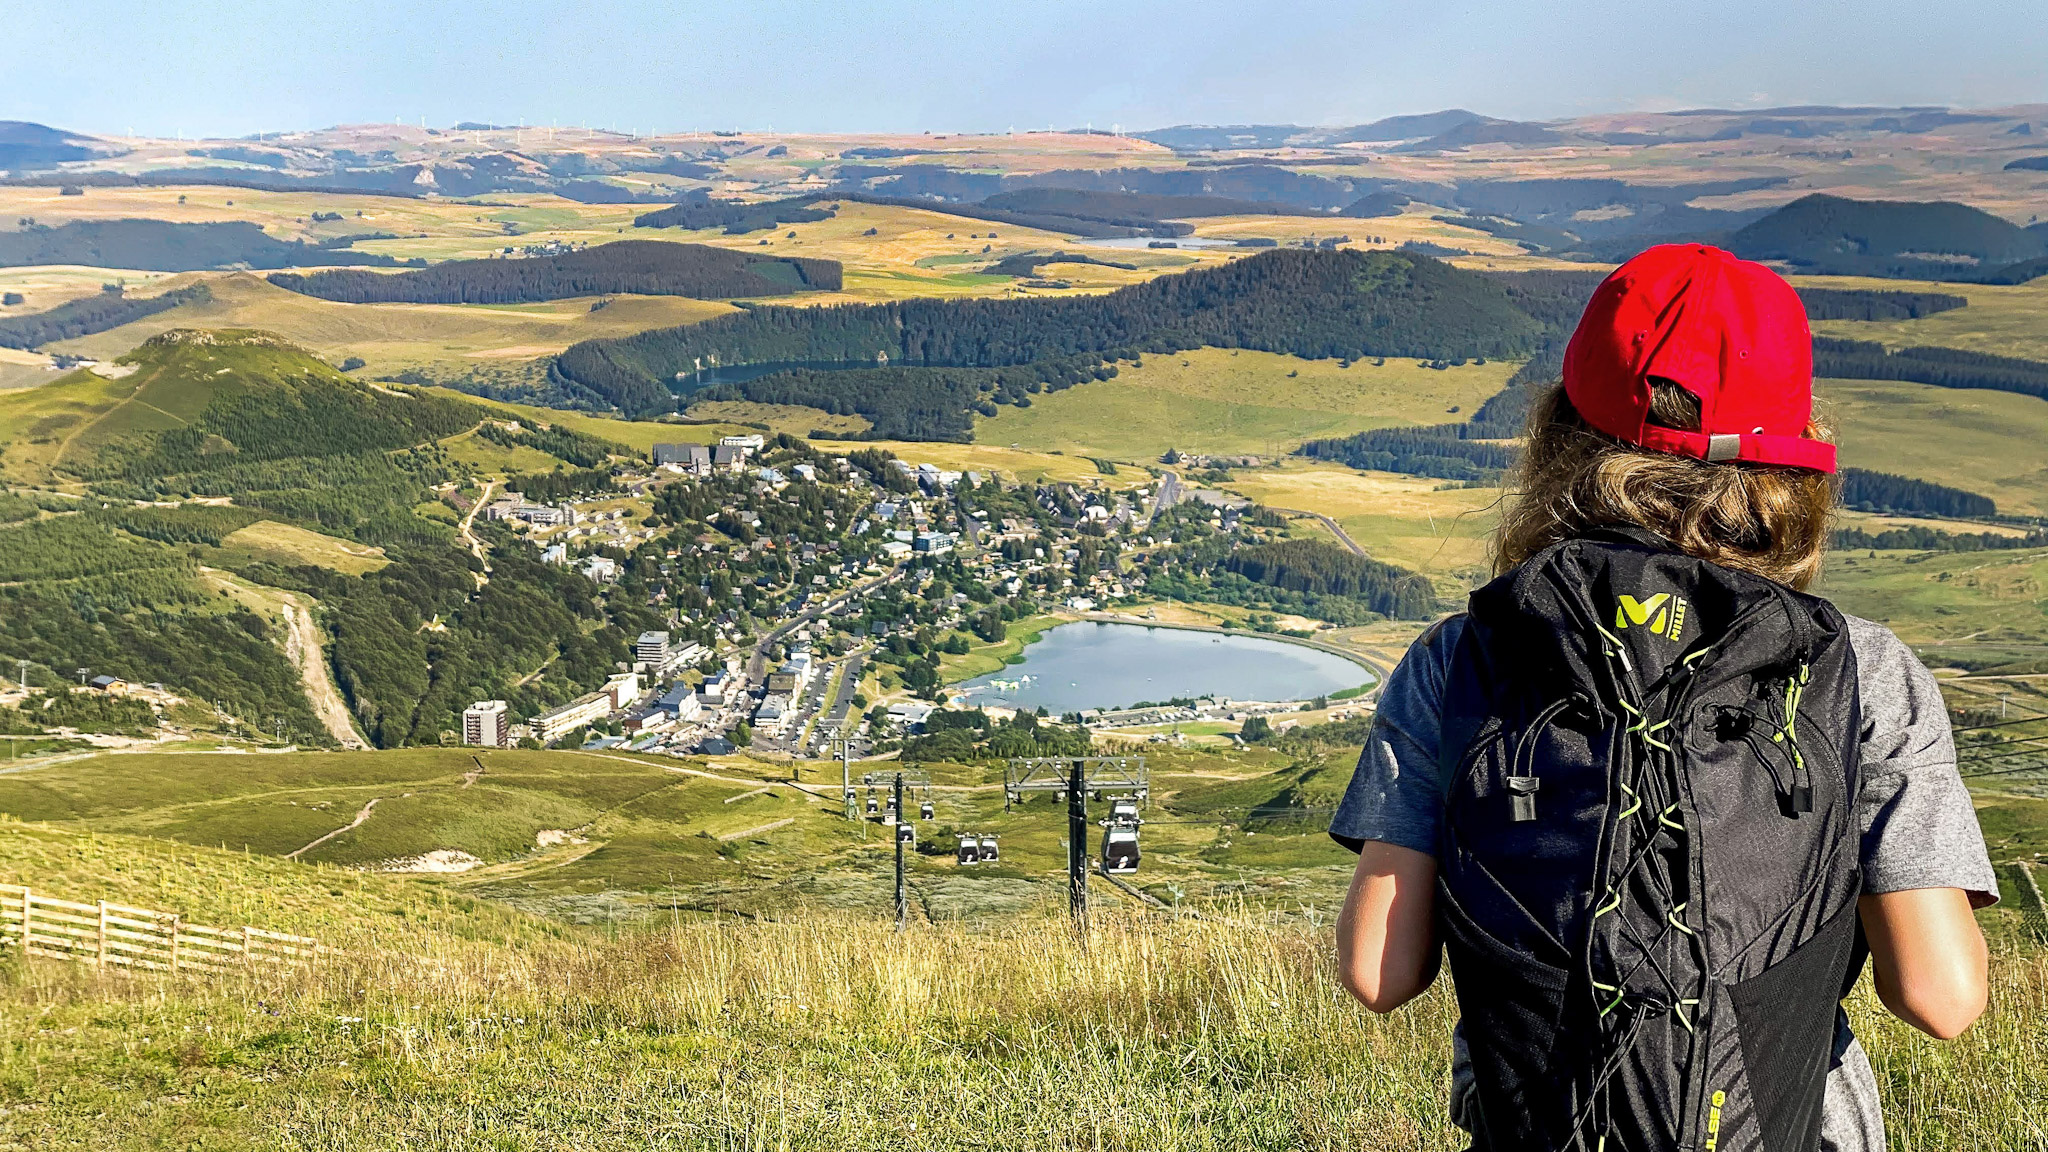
165	246
1830	235
640	267
1314	304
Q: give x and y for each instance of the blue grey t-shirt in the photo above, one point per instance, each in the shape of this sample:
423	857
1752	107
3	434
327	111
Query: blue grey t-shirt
1919	827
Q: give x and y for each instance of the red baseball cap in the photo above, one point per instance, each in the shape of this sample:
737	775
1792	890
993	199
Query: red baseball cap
1731	332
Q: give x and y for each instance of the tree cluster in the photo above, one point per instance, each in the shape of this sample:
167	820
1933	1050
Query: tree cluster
642	267
1884	492
90	314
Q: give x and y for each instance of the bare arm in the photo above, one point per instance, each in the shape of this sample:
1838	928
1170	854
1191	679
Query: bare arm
1927	957
1387	950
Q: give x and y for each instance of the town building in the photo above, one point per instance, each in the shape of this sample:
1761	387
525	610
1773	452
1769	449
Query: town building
751	442
934	543
556	554
693	458
772	716
581	712
601	569
484	723
652	650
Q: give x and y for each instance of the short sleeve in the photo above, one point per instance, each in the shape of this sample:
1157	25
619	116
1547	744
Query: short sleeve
1396	793
1919	826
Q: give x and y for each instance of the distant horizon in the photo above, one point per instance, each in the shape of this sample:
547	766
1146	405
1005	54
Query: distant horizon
809	67
1123	131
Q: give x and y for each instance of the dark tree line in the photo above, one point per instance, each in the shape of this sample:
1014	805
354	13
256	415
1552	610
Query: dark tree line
699	211
644	267
1871	304
914	403
1921	539
1311	304
83	317
1311	566
162	246
1884	492
1942	367
1437	451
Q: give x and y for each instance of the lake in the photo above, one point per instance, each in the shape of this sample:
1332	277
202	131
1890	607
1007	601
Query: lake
1075	667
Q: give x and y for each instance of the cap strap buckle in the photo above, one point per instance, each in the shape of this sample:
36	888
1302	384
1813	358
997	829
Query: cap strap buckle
1723	446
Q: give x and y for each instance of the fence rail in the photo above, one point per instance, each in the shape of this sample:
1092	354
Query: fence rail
104	933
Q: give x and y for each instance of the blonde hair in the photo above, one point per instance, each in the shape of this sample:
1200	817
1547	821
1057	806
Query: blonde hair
1767	520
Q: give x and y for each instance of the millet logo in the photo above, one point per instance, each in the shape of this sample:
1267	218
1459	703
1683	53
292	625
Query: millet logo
1663	613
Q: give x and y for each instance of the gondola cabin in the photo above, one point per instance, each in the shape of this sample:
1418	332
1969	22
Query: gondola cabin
989	855
1119	850
925	811
970	850
906	834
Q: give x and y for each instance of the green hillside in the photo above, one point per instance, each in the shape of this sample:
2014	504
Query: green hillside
1830	235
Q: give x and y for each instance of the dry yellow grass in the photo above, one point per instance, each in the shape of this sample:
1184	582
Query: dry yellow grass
794	419
2004	320
290	544
1405	520
1229	401
391	337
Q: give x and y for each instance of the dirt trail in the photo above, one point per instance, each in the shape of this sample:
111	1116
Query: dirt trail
476	546
302	648
362	815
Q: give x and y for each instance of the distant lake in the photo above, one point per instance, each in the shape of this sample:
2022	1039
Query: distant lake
1076	667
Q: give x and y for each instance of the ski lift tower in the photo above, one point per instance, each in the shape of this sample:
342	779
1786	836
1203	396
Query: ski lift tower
1074	777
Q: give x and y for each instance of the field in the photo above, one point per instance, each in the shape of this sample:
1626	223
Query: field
591	837
1230	402
1414	522
290	544
456	1025
1981	441
2005	320
392	337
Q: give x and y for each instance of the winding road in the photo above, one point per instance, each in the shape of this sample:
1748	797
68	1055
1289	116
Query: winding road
1335	528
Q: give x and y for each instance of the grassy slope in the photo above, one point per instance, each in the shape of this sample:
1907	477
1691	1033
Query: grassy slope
2005	320
291	544
1982	441
460	1028
1227	401
390	337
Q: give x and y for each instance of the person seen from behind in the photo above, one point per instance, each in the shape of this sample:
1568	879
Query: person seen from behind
1656	802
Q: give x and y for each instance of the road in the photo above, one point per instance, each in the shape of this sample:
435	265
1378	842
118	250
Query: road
757	662
1335	528
1169	495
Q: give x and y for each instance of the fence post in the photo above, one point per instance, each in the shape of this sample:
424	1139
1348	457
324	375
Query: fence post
26	896
102	957
177	922
245	945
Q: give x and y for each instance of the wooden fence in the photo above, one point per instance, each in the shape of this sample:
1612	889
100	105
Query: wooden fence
104	934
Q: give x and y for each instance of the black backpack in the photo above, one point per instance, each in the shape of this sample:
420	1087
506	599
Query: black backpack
1650	859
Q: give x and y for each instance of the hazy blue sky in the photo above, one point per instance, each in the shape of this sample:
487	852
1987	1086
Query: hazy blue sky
230	67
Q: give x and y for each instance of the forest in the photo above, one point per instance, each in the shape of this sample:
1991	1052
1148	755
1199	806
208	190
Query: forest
1883	492
161	246
643	267
1439	451
699	211
1322	569
1942	367
90	314
1830	235
1921	539
1312	304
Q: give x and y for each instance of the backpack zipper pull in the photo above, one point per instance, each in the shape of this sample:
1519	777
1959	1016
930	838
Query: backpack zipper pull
1522	797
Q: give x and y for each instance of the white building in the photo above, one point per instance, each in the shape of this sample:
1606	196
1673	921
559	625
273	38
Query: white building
752	442
483	723
581	712
601	569
772	716
652	650
557	554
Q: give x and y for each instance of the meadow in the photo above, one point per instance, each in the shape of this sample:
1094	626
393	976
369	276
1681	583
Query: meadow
1229	402
453	1026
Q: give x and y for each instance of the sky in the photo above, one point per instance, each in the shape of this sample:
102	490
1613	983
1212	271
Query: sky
235	67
